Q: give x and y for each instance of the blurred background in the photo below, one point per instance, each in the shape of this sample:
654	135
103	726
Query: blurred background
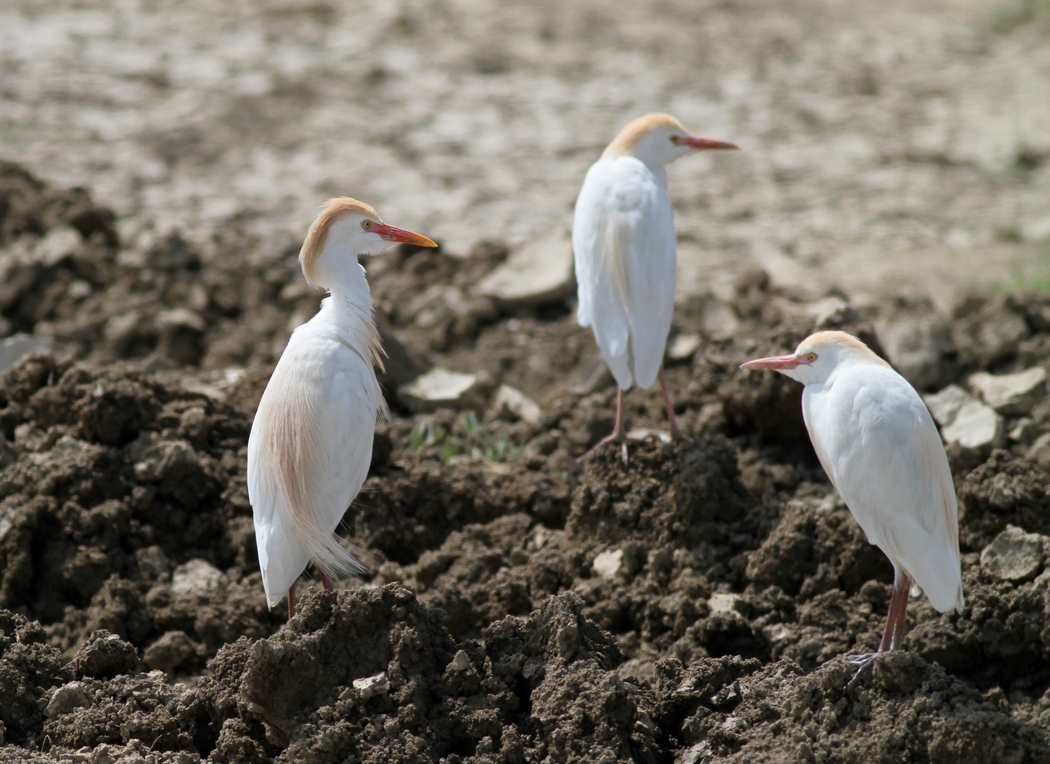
902	144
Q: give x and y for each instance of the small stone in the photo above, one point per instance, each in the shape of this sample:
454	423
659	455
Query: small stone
723	603
1026	432
370	686
196	578
121	330
58	243
916	343
172	650
1011	394
719	321
539	272
832	312
167	461
180	318
215	384
683	346
1014	555
152	561
1039	452
440	388
965	420
13	349
103	754
511	401
461	662
608	563
66	698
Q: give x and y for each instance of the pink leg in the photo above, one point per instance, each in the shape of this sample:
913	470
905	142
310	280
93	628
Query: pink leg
893	635
619	433
291	602
326	581
676	432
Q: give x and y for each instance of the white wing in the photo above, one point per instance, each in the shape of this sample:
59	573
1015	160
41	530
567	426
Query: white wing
624	243
881	449
308	455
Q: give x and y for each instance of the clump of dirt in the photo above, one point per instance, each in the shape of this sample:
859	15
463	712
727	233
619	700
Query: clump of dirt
691	605
738	710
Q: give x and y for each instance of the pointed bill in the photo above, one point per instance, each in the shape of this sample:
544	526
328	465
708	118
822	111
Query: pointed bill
773	362
393	233
701	144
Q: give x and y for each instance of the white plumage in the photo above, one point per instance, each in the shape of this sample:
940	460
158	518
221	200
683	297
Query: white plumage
625	248
879	445
626	266
311	441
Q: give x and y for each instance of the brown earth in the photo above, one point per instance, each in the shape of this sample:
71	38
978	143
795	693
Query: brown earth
694	605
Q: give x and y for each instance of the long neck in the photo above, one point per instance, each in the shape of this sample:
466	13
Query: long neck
349	292
349	309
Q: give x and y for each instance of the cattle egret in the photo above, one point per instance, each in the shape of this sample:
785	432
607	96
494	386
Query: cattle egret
877	441
311	441
624	242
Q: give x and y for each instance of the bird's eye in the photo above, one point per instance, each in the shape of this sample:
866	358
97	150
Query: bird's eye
366	224
811	357
675	139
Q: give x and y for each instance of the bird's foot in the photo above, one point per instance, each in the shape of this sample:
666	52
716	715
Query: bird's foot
675	436
861	661
678	436
614	438
638	435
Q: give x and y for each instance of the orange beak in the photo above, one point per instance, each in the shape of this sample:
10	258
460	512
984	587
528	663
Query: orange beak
393	233
701	144
774	362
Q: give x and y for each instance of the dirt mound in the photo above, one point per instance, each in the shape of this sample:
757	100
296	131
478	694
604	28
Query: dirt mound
692	605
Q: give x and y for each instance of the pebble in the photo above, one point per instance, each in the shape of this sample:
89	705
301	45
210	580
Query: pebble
178	318
608	563
370	686
539	272
195	578
1014	555
1025	431
723	603
1039	451
965	420
66	698
56	244
916	343
13	349
158	460
461	662
172	650
439	388
1011	394
510	400
719	321
683	346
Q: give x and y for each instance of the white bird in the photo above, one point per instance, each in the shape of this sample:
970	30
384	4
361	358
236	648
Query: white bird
877	442
311	441
624	242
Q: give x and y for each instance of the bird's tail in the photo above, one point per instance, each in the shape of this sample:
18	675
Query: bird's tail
326	550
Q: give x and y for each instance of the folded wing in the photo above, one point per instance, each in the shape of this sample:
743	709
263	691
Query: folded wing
626	266
308	455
